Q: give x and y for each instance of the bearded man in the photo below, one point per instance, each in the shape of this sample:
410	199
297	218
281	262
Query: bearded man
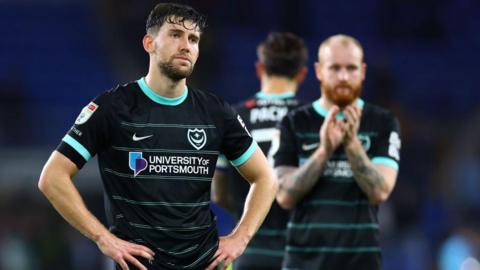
157	140
337	160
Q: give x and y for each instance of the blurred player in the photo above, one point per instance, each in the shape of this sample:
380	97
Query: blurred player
281	67
157	142
338	159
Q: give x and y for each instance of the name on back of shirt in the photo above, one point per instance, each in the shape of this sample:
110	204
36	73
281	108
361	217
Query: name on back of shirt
263	114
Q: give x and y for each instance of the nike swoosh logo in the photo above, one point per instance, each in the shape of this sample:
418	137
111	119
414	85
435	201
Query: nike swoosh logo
308	147
136	139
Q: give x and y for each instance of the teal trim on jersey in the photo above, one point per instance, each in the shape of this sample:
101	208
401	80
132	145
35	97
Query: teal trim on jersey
366	249
129	149
146	203
333	226
77	146
337	202
265	252
245	156
360	103
385	161
319	108
160	99
270	232
264	95
159	177
164	125
171	229
324	112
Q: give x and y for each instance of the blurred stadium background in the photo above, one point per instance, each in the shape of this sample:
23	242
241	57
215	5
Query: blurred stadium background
423	63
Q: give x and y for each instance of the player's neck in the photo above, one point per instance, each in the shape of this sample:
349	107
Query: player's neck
278	85
325	103
164	86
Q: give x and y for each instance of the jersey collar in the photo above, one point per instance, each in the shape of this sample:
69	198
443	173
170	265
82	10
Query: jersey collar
160	99
285	95
323	111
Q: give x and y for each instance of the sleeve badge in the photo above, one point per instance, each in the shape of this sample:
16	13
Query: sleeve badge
86	113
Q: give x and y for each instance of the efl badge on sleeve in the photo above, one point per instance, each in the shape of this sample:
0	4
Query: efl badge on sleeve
86	112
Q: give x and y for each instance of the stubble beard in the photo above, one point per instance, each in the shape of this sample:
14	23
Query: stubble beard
173	72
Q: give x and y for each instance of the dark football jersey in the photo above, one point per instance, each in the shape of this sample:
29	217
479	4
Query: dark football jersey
157	157
335	226
261	114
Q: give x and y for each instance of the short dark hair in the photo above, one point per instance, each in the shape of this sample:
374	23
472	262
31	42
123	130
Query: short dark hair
176	14
283	54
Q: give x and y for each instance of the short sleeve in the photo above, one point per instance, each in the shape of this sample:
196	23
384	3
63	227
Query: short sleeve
89	134
386	150
284	149
237	143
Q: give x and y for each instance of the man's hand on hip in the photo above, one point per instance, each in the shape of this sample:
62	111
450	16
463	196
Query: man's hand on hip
122	251
229	248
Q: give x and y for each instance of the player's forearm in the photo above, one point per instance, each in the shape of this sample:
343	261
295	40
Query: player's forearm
367	176
294	185
63	195
257	205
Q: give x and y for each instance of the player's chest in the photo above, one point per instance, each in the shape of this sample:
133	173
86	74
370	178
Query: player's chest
175	130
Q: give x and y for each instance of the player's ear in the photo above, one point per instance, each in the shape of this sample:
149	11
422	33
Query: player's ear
301	75
148	43
364	70
260	70
318	71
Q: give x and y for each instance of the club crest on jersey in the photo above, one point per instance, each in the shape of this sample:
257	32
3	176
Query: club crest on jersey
197	137
365	140
86	112
136	162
